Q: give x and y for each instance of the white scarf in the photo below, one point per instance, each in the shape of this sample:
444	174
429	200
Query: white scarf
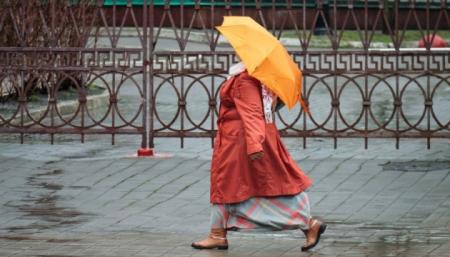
267	95
236	69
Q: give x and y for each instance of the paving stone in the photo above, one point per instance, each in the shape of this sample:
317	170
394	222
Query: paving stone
117	206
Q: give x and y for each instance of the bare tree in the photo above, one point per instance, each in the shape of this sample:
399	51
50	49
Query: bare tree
50	24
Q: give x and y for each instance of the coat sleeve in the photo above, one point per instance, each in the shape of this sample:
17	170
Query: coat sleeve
247	98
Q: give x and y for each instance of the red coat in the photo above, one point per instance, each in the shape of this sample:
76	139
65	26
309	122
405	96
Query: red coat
242	131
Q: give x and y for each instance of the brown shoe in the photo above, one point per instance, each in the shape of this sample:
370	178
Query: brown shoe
316	229
217	238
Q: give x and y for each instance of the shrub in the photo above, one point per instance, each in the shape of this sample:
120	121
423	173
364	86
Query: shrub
42	24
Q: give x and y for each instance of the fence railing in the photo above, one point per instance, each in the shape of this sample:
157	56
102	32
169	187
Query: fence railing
154	69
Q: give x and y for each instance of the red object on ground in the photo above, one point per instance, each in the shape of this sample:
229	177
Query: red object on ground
145	152
437	41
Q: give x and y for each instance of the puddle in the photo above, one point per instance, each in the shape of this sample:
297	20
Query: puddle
50	173
51	186
58	255
49	240
43	204
79	187
61	241
416	166
16	238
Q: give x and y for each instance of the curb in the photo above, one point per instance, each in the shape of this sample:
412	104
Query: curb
65	108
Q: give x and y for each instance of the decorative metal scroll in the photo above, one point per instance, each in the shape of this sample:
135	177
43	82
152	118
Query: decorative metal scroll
161	64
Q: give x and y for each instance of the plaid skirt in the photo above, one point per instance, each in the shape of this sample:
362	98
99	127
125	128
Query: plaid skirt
266	213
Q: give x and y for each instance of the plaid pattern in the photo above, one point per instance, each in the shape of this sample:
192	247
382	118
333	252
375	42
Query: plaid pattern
270	213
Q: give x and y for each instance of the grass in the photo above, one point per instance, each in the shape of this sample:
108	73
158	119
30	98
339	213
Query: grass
351	35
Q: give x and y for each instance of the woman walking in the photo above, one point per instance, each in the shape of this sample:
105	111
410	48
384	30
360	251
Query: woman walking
255	184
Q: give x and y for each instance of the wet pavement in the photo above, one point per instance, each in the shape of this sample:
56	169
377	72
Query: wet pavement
94	199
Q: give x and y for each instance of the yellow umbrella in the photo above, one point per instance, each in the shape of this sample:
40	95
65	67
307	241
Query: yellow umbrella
264	57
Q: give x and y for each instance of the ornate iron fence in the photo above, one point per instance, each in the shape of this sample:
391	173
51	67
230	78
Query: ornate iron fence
168	59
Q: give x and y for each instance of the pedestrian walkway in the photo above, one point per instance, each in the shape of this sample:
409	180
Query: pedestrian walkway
97	200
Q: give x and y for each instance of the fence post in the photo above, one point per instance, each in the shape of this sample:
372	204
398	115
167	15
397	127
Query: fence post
150	58
147	47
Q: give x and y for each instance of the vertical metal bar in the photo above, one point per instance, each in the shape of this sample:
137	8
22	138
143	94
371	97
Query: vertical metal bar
52	22
182	24
427	23
428	97
211	18
336	99
183	99
305	79
83	108
212	108
53	89
52	112
22	94
151	100
397	60
305	115
213	62
113	90
366	26
145	65
182	106
366	73
114	21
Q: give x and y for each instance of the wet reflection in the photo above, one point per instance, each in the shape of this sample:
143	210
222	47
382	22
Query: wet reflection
44	206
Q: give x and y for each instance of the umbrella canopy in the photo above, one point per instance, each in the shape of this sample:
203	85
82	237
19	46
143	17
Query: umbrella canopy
264	57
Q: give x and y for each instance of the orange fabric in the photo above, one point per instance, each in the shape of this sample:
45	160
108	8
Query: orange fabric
242	131
265	58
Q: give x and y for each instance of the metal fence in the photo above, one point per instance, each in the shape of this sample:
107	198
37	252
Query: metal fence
162	64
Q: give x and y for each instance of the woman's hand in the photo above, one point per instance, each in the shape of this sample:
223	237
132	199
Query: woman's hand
256	156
